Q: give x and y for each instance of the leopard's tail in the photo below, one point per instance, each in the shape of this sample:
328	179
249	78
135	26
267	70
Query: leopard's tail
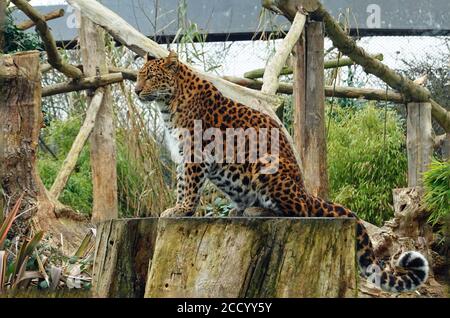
412	266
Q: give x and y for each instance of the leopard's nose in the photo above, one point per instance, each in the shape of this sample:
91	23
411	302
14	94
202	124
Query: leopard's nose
137	90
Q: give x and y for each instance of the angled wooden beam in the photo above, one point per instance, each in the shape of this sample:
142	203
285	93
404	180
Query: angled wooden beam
83	135
276	63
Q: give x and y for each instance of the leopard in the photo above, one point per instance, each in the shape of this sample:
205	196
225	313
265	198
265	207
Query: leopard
268	184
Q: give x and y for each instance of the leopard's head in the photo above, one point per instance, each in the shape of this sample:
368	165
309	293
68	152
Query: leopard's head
157	79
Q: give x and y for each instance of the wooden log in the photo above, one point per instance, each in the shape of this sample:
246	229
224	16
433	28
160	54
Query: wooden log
122	253
102	139
20	124
47	17
309	110
259	257
83	84
49	42
419	141
287	70
77	146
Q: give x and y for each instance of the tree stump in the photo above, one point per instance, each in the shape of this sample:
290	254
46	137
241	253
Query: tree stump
20	124
251	257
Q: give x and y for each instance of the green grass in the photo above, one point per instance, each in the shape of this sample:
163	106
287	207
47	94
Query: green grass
437	191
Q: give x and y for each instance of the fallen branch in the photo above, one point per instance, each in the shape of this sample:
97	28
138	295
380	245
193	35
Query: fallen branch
49	42
276	63
83	84
258	73
72	157
49	16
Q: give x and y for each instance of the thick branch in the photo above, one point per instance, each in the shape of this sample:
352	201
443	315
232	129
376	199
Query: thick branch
277	62
258	73
77	146
49	16
49	42
85	83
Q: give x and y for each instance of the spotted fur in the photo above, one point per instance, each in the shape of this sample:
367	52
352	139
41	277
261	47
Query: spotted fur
183	97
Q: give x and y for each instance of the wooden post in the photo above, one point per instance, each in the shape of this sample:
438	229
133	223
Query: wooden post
253	257
309	109
419	141
102	139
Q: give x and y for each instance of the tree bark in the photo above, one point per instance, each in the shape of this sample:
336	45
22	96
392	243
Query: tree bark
20	124
122	254
260	257
102	139
419	141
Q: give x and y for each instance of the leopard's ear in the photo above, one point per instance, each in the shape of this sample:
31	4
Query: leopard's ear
172	60
149	57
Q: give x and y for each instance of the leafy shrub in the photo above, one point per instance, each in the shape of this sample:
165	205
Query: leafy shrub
17	40
366	160
437	191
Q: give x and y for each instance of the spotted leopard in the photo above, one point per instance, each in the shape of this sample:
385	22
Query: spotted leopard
184	99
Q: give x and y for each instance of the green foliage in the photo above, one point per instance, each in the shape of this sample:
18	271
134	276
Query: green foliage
17	40
141	186
78	191
366	160
437	191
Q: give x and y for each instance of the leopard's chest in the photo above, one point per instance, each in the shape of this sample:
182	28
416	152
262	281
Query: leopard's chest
171	134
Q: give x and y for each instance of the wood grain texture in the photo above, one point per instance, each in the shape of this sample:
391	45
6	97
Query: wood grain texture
122	254
259	257
419	141
102	139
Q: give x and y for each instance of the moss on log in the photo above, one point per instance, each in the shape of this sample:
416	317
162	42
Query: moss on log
259	257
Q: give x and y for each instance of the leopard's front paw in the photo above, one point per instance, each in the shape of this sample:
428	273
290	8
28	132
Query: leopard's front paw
175	212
